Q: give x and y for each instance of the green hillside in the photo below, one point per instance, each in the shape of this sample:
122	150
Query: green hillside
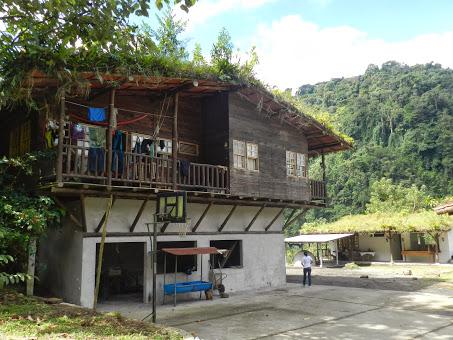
401	119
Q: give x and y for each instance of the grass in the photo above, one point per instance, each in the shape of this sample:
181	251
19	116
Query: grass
24	317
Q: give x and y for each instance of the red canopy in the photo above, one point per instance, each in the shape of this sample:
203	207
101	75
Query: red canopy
191	251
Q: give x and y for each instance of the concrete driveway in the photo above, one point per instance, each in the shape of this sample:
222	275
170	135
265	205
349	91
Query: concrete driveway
318	312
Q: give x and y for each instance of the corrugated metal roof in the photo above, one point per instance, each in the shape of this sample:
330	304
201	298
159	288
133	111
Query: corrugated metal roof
315	238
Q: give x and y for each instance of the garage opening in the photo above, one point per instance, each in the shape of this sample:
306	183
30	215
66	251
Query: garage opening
232	255
122	271
186	264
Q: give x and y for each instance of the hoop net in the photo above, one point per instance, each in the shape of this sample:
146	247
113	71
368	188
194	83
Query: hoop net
183	228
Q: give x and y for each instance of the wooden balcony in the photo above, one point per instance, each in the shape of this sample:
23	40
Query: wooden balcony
318	190
128	169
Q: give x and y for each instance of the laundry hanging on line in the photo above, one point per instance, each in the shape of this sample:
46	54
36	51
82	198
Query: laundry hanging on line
96	114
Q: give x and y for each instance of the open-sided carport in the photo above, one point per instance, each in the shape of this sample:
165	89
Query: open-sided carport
317	239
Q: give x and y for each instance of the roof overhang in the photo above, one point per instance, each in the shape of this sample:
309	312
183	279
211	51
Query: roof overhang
315	238
446	208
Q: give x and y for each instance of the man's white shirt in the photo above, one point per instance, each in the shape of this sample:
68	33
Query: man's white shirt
306	261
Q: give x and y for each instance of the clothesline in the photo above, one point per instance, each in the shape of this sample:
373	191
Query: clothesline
125	110
120	123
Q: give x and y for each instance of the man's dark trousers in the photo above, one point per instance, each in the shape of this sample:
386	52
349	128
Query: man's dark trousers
307	272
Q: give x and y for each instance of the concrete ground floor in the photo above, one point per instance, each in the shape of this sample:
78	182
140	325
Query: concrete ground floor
318	312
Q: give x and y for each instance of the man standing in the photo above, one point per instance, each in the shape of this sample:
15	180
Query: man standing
306	263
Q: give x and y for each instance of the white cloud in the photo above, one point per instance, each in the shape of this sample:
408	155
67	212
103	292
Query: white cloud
293	52
206	9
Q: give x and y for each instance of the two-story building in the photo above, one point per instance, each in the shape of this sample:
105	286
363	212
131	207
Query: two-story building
240	154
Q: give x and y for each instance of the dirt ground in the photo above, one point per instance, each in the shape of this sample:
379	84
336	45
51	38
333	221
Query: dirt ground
409	278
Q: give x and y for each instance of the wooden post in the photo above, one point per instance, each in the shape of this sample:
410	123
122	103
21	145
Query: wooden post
61	120
31	266
110	138
435	237
351	246
174	143
336	250
323	166
390	238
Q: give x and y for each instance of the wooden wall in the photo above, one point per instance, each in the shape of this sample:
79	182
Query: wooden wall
273	139
215	130
189	116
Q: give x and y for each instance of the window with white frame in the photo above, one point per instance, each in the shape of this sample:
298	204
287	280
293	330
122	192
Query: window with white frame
164	147
252	156
296	164
239	154
245	155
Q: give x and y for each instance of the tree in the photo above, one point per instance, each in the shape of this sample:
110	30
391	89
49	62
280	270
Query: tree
222	54
387	197
197	56
168	36
63	37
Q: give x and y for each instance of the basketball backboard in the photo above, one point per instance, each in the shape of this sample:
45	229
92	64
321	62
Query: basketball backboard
171	207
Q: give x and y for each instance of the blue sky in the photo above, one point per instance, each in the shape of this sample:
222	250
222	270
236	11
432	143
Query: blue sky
307	41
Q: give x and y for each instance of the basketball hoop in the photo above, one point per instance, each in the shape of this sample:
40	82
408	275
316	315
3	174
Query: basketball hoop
171	207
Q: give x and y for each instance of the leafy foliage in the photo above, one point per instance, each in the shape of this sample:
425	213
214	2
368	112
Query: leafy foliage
400	118
167	36
23	215
388	197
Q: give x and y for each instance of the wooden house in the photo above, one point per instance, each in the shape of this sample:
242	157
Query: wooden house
240	154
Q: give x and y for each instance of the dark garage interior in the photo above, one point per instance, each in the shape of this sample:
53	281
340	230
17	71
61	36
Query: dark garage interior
122	270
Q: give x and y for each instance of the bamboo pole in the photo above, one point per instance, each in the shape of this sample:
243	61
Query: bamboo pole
174	143
61	119
110	130
101	252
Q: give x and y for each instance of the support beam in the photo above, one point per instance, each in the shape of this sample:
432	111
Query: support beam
227	218
195	227
274	219
101	222
137	217
226	258
289	217
323	167
70	215
61	120
291	220
110	131
255	217
101	253
174	143
82	212
164	227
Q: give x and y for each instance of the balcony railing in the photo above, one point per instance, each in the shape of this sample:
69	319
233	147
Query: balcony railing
89	165
318	190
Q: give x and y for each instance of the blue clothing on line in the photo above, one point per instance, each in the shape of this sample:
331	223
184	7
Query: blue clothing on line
96	114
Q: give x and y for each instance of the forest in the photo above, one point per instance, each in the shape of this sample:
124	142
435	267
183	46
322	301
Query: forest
401	120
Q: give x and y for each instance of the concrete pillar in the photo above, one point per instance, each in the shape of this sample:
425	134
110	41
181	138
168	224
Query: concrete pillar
31	266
